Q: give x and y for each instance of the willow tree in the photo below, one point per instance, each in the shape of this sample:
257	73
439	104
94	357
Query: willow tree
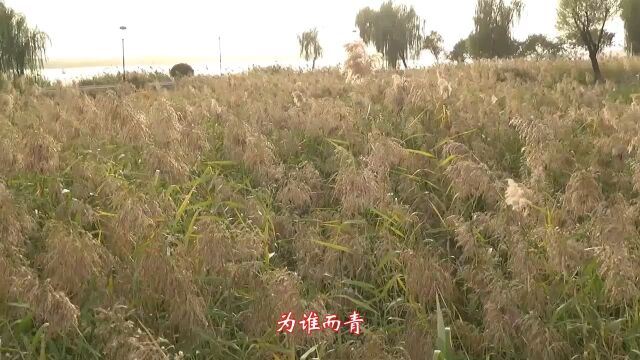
631	16
310	48
493	22
395	30
22	48
582	23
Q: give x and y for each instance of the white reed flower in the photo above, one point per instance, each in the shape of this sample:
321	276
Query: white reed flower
516	196
444	86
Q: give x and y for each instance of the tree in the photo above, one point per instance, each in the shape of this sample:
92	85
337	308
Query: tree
631	17
310	48
459	52
433	43
22	48
582	22
493	22
538	46
396	32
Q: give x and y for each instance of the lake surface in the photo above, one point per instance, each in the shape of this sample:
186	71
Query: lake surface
69	75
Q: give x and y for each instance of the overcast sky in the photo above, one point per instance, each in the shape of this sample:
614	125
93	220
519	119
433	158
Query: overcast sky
254	30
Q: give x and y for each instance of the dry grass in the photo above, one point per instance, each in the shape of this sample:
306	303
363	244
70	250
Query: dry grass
168	225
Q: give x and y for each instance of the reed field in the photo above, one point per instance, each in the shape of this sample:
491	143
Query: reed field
482	211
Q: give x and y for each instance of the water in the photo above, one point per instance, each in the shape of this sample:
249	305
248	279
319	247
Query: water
77	73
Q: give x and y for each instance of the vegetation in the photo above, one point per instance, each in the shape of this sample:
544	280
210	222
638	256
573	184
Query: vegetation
181	70
434	44
488	211
493	22
22	82
583	22
138	79
538	46
631	16
395	30
460	51
310	48
359	64
22	48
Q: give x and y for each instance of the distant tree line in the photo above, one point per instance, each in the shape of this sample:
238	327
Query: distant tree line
398	33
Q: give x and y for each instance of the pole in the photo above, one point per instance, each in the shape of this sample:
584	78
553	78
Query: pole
124	78
123	69
220	51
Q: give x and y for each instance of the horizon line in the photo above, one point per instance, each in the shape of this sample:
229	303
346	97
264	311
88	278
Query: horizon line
155	60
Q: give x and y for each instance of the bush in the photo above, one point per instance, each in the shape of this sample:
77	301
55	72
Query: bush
181	70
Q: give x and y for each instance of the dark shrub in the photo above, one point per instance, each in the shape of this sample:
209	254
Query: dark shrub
180	70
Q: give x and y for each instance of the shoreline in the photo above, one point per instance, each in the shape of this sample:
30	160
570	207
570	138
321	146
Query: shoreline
160	61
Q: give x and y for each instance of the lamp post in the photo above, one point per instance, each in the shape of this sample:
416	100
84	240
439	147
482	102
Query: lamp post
124	78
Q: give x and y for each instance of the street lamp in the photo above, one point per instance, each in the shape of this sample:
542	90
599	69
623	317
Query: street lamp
123	28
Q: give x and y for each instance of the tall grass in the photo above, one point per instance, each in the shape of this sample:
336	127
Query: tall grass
137	78
468	212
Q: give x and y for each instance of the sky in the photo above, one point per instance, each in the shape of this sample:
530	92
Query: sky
258	30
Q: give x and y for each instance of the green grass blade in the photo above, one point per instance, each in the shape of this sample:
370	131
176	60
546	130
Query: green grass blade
334	246
421	152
